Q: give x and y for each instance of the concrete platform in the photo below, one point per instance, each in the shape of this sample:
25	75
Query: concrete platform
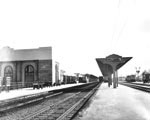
123	103
4	95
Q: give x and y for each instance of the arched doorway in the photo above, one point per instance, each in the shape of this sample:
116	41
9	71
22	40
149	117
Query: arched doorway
8	72
29	75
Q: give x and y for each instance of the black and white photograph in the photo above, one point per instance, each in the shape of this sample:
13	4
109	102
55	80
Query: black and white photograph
74	60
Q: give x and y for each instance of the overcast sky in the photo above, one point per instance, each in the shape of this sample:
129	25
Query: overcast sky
80	30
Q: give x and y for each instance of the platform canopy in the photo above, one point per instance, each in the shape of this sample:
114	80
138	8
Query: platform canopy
106	68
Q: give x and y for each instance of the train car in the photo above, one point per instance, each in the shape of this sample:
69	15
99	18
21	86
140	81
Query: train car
146	77
82	80
69	79
131	78
101	79
91	78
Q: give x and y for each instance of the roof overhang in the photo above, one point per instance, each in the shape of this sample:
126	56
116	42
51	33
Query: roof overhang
107	69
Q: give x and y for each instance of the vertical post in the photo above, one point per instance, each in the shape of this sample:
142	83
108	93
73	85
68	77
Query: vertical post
115	75
1	85
77	77
8	79
66	79
114	79
109	80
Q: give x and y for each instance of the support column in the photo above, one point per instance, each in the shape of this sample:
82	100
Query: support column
65	77
116	78
109	80
114	75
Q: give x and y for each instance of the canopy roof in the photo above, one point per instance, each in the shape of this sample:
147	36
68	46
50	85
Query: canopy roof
105	68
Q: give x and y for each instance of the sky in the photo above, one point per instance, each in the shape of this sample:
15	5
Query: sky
80	31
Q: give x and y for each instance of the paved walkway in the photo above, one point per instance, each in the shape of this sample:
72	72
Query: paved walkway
123	103
4	95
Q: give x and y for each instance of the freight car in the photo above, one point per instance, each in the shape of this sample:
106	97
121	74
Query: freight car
69	79
131	78
91	78
146	77
81	79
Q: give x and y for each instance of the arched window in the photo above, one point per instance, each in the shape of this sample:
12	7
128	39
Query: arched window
29	75
8	72
29	69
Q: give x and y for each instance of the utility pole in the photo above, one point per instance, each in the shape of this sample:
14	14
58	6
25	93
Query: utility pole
137	72
77	77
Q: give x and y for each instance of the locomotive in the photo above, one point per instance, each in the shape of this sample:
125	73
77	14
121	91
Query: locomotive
82	79
131	78
146	77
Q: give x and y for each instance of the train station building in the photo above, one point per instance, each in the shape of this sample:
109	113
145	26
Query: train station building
24	66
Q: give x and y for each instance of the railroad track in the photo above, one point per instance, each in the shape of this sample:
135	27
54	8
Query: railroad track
139	84
141	87
32	107
26	101
63	107
7	105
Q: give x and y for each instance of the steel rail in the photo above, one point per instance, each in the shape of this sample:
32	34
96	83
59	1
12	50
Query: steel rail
30	116
28	102
138	87
77	106
139	84
50	108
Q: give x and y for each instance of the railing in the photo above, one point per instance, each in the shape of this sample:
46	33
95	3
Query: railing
17	85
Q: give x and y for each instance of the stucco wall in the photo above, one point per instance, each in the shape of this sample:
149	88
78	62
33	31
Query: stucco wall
45	70
9	54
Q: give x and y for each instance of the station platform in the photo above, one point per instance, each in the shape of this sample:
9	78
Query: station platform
12	94
122	103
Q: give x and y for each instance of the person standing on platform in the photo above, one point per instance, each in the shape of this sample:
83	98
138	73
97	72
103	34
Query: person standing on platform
8	83
1	85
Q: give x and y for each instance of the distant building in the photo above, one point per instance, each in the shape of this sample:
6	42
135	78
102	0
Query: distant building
25	66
